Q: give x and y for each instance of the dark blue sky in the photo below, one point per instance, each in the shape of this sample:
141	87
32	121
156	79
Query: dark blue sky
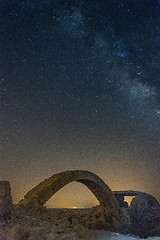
80	89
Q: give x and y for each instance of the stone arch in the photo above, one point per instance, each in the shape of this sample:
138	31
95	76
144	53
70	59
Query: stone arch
135	194
40	194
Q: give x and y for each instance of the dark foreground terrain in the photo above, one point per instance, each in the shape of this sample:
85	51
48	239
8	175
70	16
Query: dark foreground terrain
69	224
36	222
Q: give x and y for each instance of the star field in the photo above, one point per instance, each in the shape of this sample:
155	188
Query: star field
80	89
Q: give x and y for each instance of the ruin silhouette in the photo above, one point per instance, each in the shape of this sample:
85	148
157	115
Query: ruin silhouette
40	194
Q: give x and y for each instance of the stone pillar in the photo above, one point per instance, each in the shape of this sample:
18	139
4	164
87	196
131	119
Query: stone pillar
6	203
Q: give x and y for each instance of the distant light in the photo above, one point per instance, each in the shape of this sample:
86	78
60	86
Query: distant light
78	207
158	112
139	73
121	54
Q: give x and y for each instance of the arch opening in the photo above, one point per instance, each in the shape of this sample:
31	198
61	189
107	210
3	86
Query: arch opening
129	199
72	196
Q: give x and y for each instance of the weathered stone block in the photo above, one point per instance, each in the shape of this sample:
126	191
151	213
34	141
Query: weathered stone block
6	203
145	215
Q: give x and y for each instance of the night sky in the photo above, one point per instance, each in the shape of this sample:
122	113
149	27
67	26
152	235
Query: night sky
80	89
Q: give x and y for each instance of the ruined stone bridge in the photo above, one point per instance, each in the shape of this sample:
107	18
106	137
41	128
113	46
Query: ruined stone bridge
39	195
143	211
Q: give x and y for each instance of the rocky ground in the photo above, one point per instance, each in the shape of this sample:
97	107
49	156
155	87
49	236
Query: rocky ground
54	224
17	222
58	224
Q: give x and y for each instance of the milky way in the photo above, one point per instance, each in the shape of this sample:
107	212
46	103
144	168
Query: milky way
80	89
